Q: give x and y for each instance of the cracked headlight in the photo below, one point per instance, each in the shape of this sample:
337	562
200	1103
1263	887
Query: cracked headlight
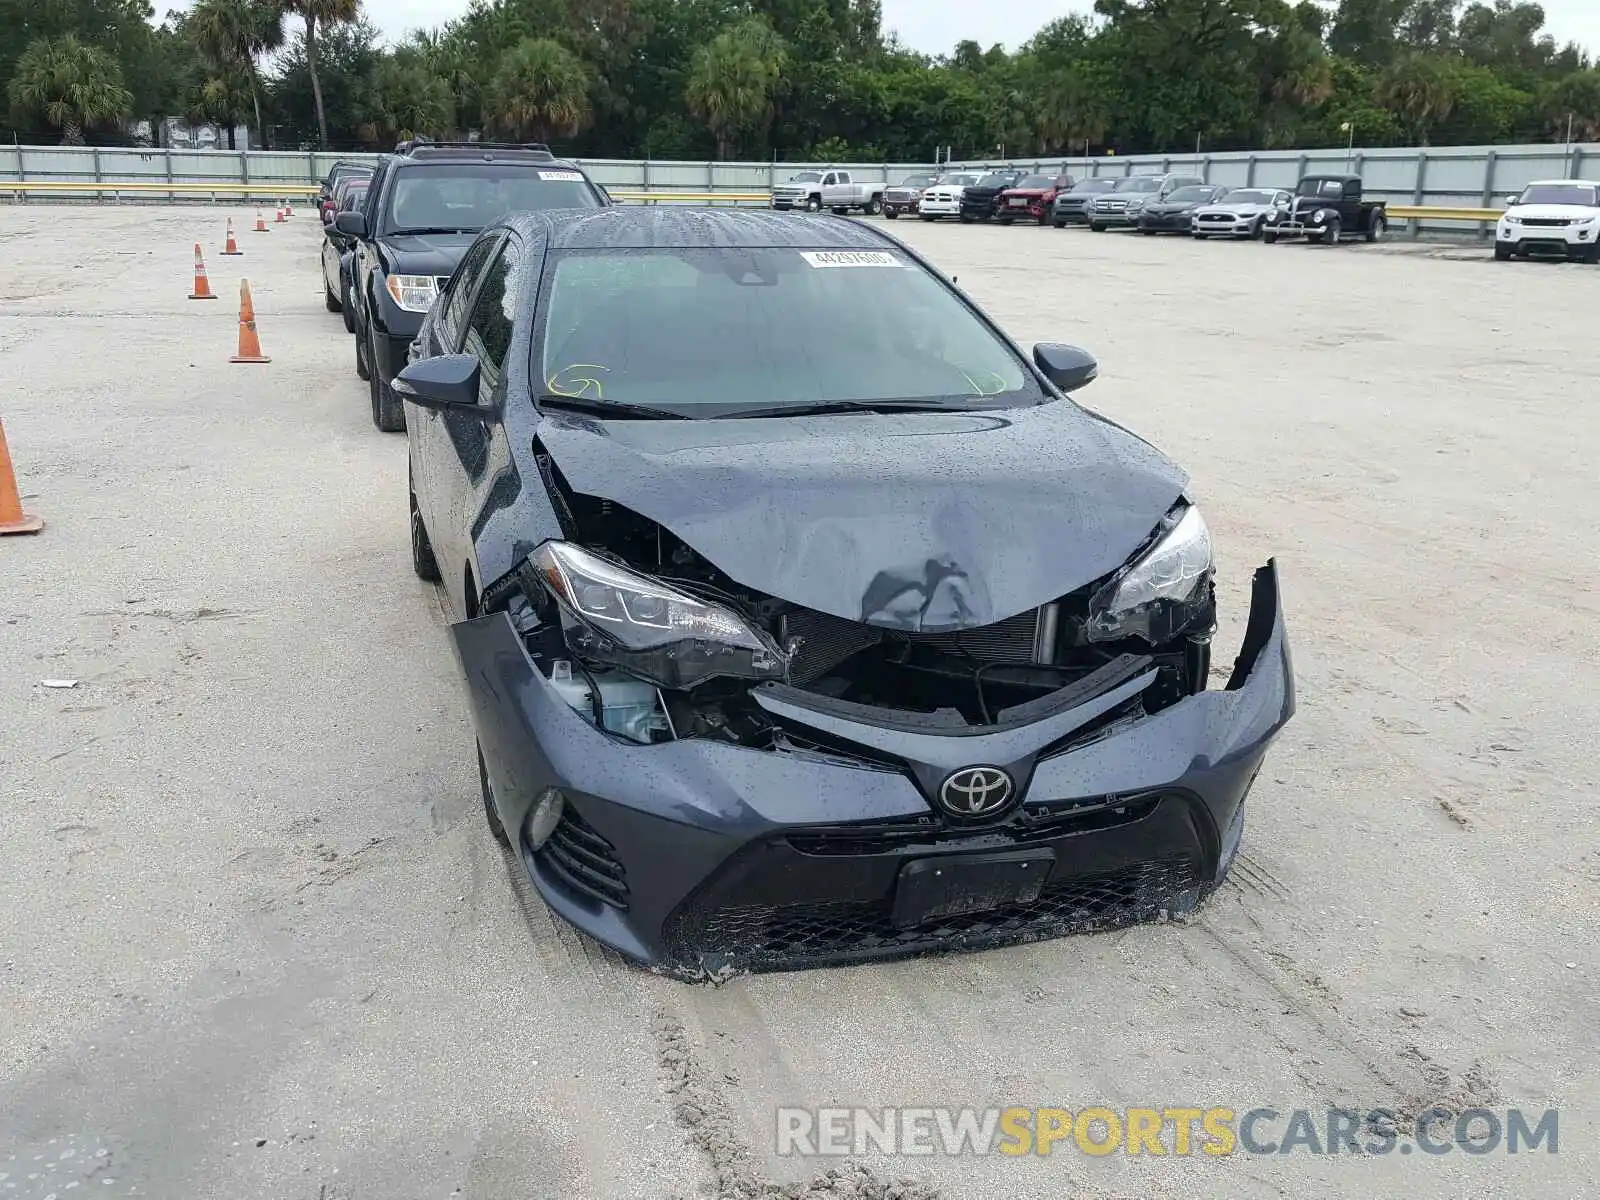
1164	591
414	293
615	616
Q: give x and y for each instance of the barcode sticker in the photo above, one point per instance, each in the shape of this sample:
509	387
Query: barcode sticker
562	176
849	258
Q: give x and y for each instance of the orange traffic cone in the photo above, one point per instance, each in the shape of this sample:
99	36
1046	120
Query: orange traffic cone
249	343
12	518
261	223
278	220
232	247
202	288
287	211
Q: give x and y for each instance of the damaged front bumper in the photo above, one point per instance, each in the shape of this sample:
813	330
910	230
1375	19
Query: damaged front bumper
698	857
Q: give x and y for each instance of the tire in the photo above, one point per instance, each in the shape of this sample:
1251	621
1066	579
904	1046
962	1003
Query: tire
1059	224
329	300
874	206
349	317
1200	237
1148	232
388	413
422	559
1376	227
1043	220
927	217
840	212
1330	235
813	204
1259	228
1269	236
965	218
891	213
1005	220
1095	228
489	813
1591	255
1502	253
363	368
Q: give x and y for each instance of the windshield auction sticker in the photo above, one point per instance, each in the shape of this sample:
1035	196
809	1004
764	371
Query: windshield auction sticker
849	258
562	176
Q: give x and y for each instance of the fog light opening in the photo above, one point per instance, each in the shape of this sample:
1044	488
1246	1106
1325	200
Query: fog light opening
544	817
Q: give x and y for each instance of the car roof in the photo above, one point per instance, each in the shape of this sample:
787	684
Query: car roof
670	226
1340	178
1553	182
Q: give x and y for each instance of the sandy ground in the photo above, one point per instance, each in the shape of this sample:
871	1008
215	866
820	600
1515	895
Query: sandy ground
255	941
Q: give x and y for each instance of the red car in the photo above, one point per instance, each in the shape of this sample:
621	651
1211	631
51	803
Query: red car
1031	196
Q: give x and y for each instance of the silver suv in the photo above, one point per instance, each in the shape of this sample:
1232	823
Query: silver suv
1120	206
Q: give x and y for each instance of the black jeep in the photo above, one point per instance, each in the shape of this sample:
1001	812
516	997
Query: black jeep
979	200
1326	208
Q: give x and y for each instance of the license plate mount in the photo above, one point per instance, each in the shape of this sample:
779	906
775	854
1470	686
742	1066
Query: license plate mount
931	888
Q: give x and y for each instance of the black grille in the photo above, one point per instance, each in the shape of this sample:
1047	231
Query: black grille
584	861
827	640
1547	222
765	937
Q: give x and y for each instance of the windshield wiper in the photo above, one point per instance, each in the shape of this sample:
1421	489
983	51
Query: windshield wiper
828	407
423	232
608	408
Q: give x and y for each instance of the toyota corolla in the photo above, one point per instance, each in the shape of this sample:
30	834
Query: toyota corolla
805	618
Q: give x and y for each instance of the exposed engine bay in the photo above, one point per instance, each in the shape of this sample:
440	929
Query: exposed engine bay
974	676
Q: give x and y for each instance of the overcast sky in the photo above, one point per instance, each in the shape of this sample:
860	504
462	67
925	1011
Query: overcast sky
934	26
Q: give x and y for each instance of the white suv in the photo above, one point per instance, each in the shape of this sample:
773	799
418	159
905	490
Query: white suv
1554	217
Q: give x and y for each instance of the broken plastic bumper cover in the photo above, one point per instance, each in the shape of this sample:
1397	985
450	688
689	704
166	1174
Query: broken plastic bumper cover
697	857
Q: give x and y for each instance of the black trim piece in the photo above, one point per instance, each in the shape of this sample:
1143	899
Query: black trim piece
1264	602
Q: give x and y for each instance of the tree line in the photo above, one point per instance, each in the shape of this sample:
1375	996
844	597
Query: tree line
804	79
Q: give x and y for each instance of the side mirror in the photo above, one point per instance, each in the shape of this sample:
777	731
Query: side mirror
1513	199
447	383
1068	367
353	223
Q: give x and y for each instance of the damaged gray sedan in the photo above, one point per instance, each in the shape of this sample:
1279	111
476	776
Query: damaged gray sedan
804	619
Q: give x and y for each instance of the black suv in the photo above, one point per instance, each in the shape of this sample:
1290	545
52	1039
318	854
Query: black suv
426	203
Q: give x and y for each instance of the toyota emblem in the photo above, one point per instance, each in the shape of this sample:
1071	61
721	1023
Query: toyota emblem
975	792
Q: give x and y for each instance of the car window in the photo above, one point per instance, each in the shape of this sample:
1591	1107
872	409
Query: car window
805	177
708	331
1035	181
916	181
827	181
1558	193
468	196
844	177
452	317
1184	194
494	314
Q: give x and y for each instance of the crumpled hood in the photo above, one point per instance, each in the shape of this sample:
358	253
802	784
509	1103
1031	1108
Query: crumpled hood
916	521
426	254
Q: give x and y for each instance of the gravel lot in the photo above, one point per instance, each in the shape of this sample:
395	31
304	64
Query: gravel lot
255	941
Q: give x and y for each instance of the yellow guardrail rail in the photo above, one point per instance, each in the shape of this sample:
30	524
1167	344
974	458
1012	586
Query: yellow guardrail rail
273	187
1424	212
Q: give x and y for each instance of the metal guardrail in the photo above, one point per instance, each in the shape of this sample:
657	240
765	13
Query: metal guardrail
190	187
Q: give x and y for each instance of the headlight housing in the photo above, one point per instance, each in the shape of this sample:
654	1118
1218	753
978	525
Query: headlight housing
1164	591
1512	220
618	617
414	293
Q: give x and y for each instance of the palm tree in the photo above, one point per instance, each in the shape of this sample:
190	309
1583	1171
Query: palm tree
732	81
1420	89
323	13
1072	109
235	34
540	87
408	99
71	85
224	99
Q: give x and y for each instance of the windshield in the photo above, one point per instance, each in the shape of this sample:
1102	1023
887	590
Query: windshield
1035	182
1189	195
708	332
806	177
959	180
1138	183
916	181
353	198
468	196
1558	193
1249	196
1320	187
1096	185
995	181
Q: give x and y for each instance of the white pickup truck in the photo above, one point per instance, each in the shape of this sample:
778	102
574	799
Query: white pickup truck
816	190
